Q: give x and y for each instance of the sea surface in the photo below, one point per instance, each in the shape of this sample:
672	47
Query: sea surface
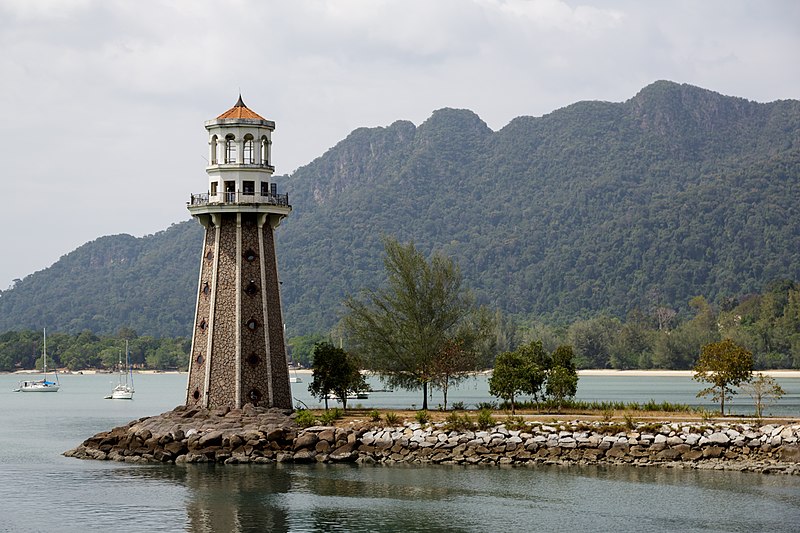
40	490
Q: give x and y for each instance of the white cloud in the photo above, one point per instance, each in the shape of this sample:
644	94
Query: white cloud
103	101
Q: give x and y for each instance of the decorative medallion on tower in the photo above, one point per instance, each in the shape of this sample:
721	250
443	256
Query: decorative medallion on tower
238	353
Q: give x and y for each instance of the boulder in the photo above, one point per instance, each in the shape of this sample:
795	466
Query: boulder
305	440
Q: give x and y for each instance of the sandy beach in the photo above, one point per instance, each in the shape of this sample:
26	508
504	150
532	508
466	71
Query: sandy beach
688	373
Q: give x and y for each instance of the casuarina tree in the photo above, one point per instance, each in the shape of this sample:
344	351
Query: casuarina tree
401	330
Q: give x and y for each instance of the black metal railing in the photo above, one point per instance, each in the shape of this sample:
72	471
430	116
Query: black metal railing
239	197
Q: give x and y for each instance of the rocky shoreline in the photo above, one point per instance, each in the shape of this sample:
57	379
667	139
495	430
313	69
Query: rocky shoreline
257	435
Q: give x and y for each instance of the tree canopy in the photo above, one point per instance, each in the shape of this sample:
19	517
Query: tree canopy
724	365
335	371
422	314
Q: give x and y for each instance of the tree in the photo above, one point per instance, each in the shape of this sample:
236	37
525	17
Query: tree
724	365
399	331
452	366
335	371
593	340
509	377
522	371
561	384
562	377
764	391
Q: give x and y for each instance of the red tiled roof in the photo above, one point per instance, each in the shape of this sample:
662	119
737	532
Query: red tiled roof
240	111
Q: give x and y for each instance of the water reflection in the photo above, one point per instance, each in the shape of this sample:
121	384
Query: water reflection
300	498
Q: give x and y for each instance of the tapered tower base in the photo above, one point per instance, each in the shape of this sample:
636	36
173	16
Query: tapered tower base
238	350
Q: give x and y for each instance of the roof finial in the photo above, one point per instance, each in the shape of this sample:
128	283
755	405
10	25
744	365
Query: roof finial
240	103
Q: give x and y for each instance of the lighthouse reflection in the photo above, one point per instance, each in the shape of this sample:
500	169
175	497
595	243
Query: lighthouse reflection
236	498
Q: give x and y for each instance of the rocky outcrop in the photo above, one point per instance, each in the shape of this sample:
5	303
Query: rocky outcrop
257	435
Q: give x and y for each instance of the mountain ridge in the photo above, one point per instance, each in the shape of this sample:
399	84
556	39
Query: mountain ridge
588	209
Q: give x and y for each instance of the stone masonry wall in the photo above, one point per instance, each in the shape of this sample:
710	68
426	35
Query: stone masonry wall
282	392
255	360
258	435
197	362
223	349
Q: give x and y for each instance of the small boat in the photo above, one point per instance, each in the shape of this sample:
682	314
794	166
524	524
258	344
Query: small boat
350	396
41	385
124	390
295	379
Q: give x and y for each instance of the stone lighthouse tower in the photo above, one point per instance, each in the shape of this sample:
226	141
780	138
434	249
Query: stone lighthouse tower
238	354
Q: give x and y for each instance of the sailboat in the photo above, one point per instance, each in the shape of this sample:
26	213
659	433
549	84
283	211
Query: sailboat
41	385
124	390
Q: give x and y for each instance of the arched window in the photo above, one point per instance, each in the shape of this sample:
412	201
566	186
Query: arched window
214	149
230	148
264	150
248	155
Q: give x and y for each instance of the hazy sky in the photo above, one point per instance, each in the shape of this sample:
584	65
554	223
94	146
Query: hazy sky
103	101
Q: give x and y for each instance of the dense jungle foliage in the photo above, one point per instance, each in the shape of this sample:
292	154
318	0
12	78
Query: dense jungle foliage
23	350
594	210
768	325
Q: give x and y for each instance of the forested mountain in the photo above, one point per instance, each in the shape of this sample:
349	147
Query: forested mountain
595	208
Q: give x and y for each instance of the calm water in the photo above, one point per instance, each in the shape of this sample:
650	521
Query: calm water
41	491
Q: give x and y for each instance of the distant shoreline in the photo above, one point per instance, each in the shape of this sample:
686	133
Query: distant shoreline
794	374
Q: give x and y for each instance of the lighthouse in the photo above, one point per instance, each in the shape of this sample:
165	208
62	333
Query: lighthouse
238	353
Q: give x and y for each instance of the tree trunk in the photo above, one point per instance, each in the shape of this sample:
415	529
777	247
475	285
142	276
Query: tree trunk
424	395
722	402
512	404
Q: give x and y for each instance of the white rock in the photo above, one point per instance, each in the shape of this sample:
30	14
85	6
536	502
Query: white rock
718	438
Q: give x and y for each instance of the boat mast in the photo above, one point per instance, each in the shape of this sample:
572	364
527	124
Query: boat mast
128	364
44	352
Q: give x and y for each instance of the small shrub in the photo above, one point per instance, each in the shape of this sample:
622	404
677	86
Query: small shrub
515	423
375	415
630	423
650	428
330	415
392	419
611	429
608	415
305	418
485	419
458	406
491	406
706	415
456	422
422	417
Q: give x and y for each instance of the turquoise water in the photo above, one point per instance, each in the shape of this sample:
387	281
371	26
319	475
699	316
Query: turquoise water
42	491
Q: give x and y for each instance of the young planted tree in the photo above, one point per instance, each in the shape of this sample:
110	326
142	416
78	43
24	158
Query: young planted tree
401	330
335	371
522	371
562	377
510	377
452	366
764	391
724	365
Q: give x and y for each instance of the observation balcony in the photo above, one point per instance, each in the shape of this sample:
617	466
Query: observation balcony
238	198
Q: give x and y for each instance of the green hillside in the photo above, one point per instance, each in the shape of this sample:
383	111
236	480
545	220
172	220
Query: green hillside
596	207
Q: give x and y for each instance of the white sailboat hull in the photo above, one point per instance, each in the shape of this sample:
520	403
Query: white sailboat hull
122	392
38	386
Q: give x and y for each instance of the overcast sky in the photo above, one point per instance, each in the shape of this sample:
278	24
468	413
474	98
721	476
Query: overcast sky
103	101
